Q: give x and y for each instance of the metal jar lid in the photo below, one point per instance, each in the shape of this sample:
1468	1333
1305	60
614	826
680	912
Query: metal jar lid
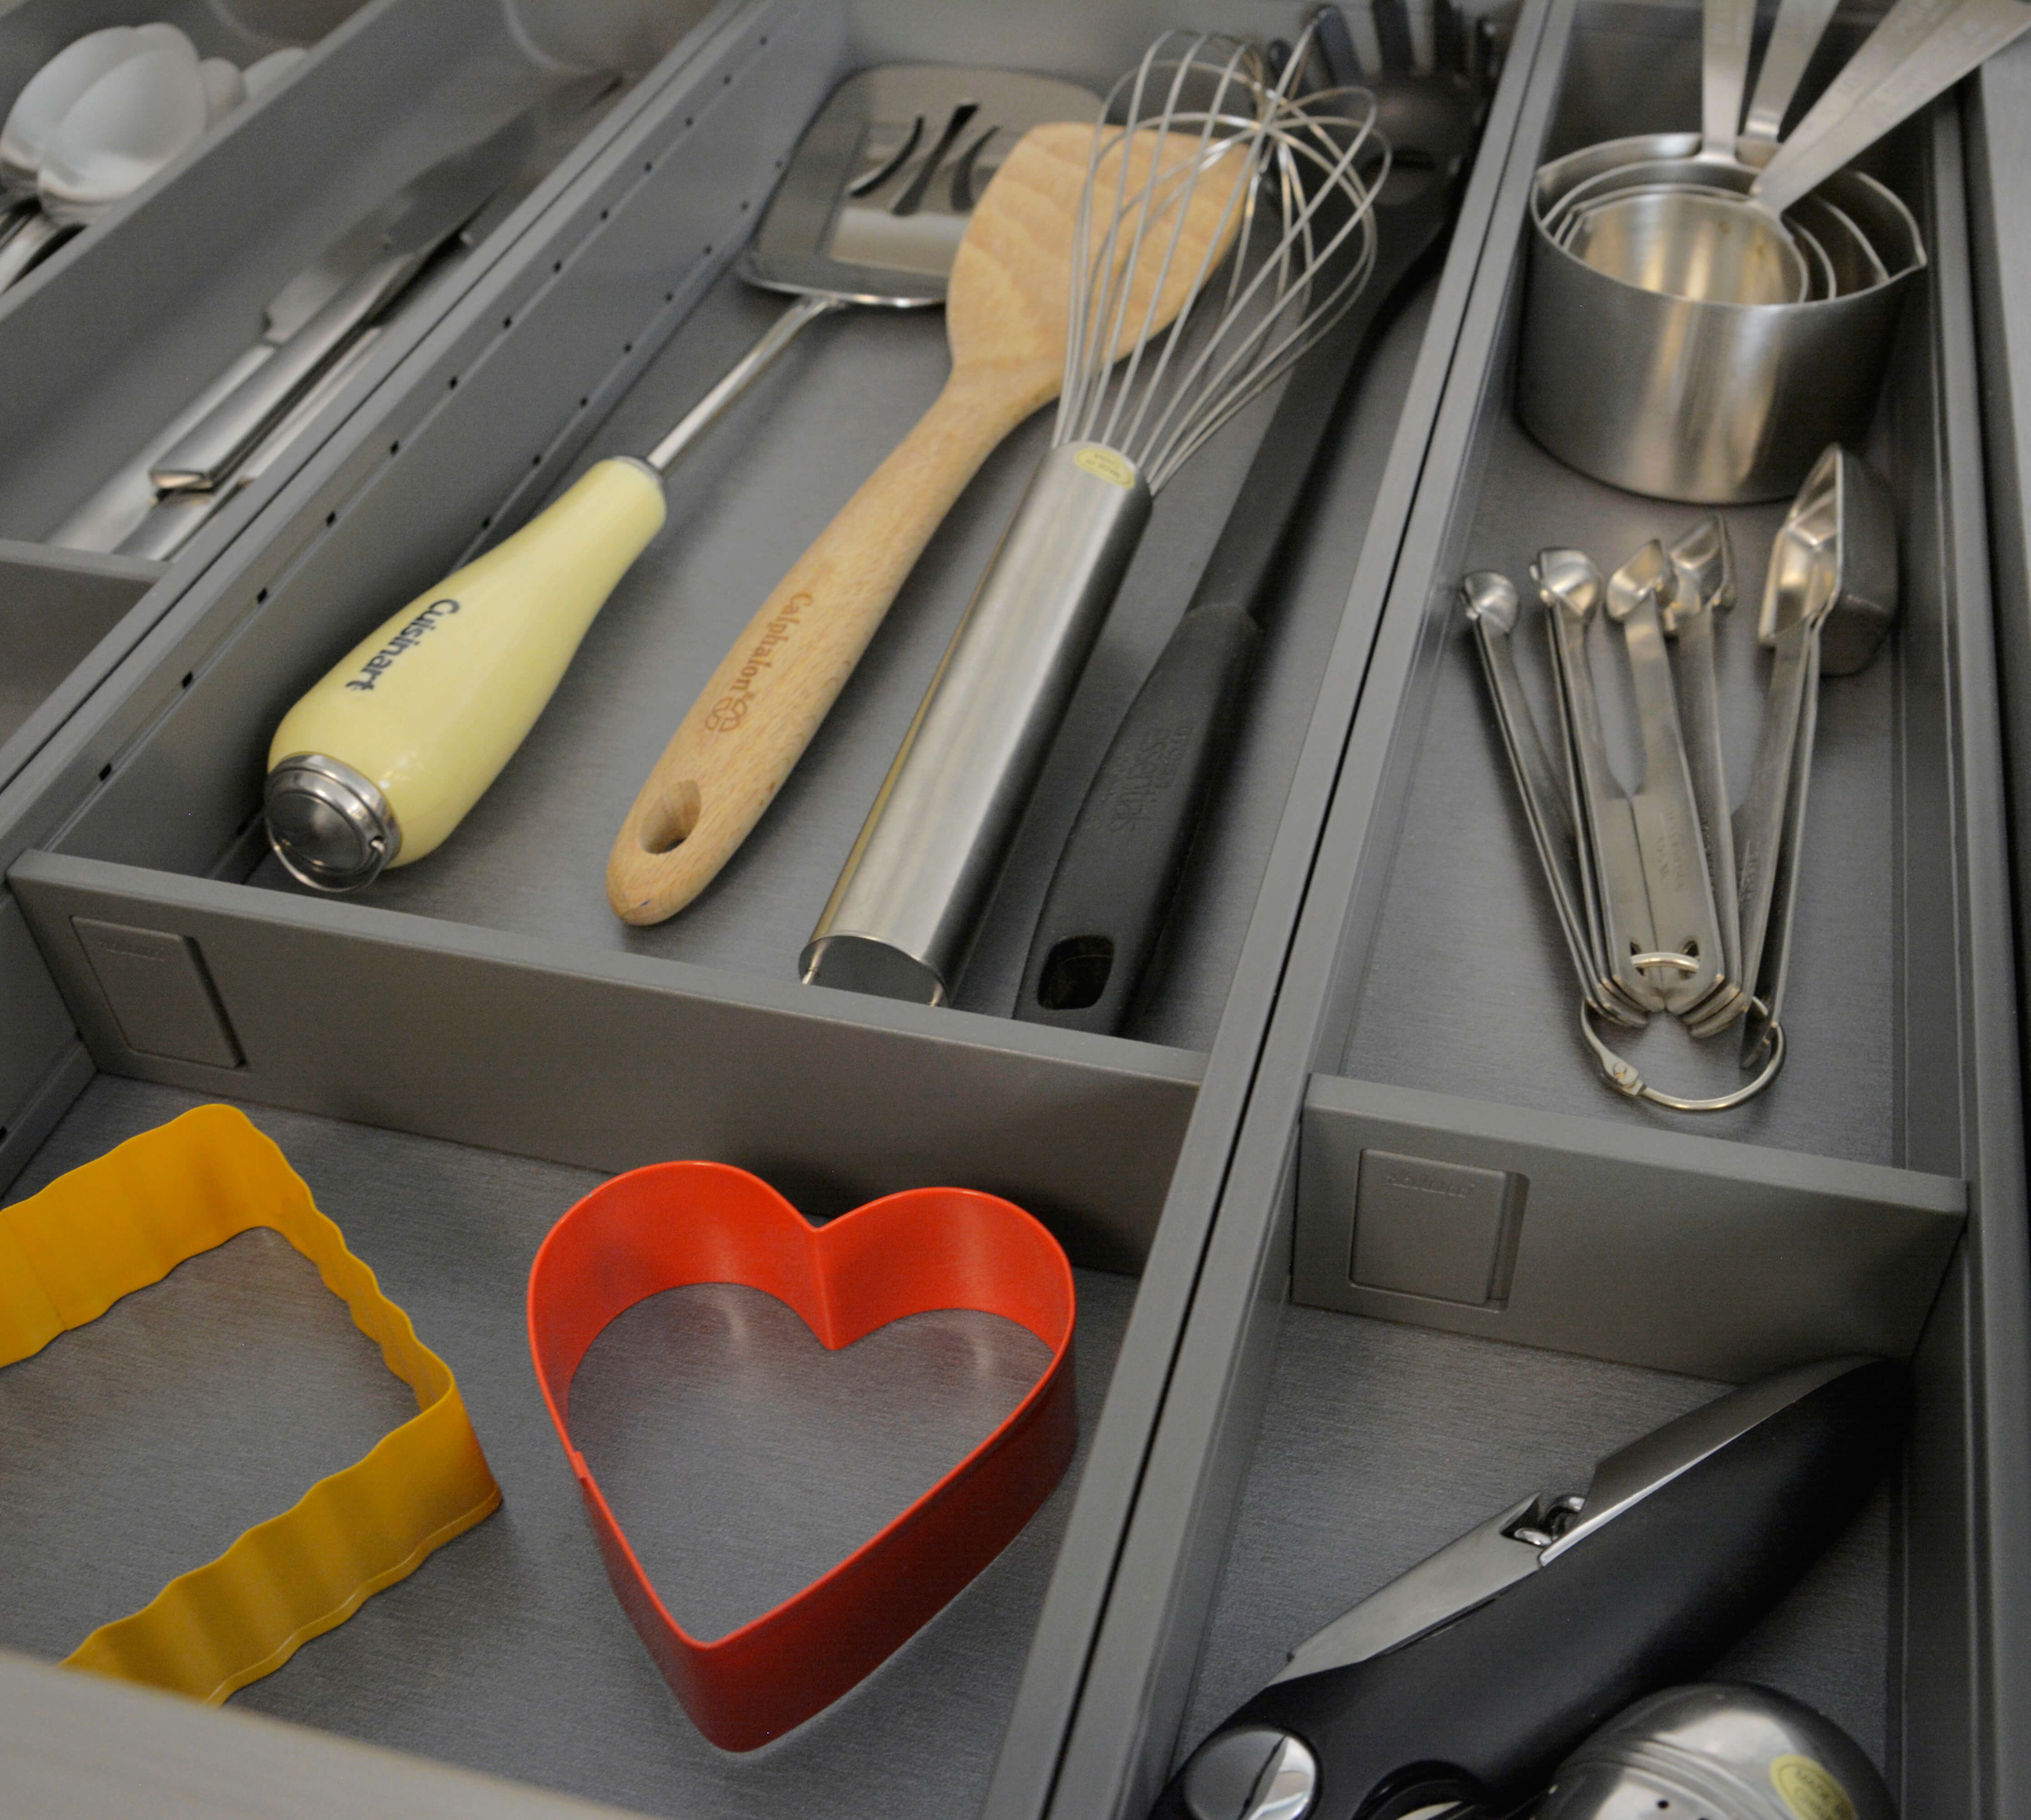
330	827
1719	1752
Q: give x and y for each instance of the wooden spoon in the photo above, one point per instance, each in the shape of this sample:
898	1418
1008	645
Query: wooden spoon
1006	318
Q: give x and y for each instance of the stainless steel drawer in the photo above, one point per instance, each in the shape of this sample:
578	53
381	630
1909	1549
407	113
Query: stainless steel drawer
484	1015
1322	1434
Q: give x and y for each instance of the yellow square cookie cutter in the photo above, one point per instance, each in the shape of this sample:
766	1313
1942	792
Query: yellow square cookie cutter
127	1219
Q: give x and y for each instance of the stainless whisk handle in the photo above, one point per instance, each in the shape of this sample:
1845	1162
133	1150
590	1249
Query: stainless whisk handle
902	916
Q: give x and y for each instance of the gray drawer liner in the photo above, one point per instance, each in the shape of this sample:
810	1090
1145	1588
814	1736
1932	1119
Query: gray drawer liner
113	335
543	1042
140	1448
531	856
1302	1456
1379	1441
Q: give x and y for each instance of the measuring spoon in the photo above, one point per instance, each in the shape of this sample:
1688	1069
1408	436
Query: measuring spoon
1688	950
1491	603
1569	585
1703	572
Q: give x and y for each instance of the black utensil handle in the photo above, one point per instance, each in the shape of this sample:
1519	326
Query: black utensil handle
1111	892
1119	867
1487	1708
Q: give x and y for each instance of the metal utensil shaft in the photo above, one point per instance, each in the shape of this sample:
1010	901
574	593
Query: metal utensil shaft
1624	903
1799	26
1700	701
1545	812
1666	818
1759	823
1775	963
742	374
1934	47
904	909
1727	27
212	449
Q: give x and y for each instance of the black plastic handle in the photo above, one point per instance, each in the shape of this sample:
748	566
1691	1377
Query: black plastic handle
1119	867
1484	1708
1112	893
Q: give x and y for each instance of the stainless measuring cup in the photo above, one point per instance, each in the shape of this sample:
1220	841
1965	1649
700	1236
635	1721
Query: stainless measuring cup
1694	399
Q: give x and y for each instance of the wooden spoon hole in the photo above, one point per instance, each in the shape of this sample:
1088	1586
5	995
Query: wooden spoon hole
671	817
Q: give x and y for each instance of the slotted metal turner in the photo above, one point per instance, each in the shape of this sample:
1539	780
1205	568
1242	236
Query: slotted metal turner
876	198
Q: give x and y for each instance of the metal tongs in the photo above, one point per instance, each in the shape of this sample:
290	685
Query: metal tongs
1666	901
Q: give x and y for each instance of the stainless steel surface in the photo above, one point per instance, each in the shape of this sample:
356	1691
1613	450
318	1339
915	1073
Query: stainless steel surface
1624	1478
1683	922
740	376
406	229
1695	244
1571	587
1831	587
876	200
1282	260
1700	402
1491	603
1723	1752
1760	1031
1254	1774
1856	265
927	858
130	516
1921	50
1636	163
1846	514
330	827
1727	27
1793	36
1475	1567
1703	567
1759	822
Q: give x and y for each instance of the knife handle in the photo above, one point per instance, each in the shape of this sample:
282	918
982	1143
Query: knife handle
1485	1707
1109	899
206	453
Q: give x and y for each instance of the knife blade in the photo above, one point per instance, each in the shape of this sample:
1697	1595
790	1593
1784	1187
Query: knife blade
1470	1677
382	253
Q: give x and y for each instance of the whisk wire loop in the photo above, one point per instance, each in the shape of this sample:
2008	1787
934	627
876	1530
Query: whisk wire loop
1210	394
1293	225
1100	325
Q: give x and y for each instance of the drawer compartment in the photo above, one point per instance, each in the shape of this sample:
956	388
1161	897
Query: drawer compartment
126	333
1549	1270
484	1014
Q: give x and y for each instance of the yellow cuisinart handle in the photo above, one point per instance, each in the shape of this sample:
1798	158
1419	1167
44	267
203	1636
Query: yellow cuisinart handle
382	759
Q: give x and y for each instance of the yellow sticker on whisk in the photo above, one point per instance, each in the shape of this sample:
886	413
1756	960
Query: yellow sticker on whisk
1810	1790
1106	463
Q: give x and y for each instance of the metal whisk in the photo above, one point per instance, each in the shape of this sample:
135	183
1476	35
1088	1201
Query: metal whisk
1210	174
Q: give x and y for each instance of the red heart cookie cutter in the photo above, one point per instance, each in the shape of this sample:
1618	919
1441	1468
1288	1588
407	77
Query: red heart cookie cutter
673	1224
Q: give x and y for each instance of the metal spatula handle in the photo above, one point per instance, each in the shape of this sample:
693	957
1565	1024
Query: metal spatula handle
743	373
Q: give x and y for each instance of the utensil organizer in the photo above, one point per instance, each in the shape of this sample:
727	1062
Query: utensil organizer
1550	1268
113	337
448	1058
482	1024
